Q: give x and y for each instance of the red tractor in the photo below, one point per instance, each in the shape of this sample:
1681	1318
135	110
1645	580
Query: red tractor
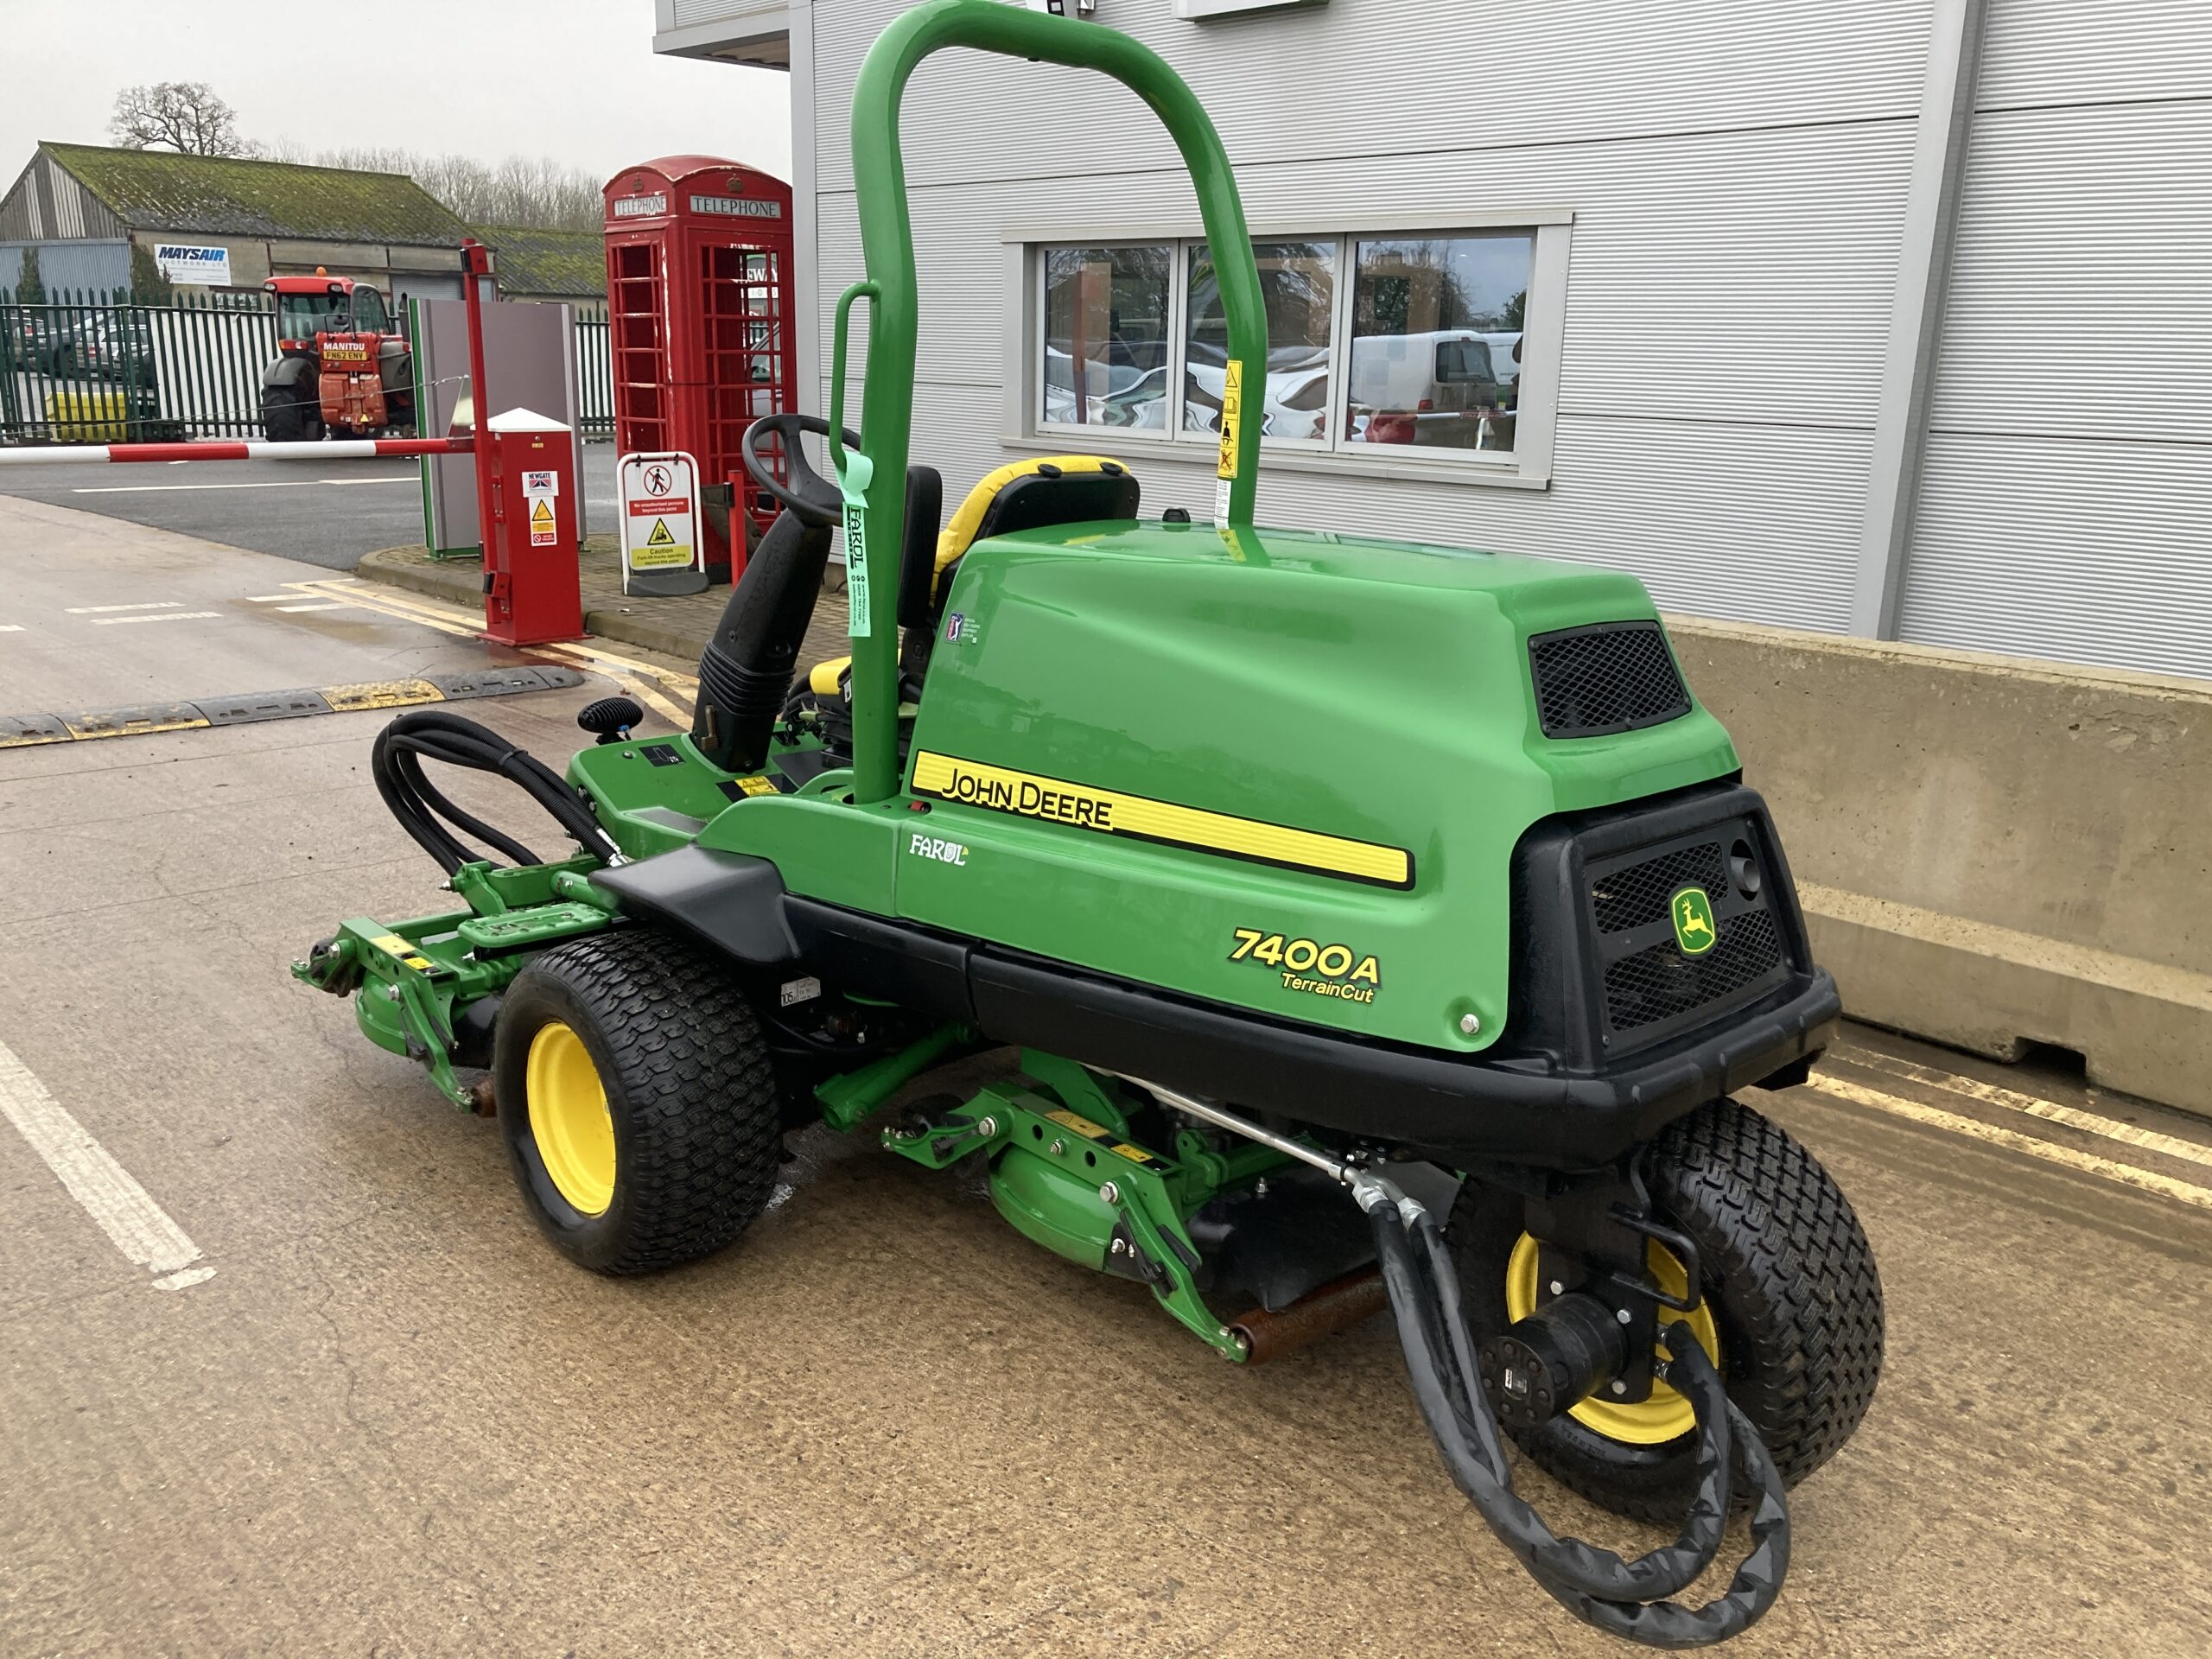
341	366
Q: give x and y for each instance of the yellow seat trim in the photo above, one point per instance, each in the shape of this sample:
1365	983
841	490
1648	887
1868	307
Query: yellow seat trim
822	679
953	540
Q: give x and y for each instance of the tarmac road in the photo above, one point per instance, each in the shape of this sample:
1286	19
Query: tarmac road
376	1414
324	512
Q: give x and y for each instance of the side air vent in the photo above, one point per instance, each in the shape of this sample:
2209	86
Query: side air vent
1614	676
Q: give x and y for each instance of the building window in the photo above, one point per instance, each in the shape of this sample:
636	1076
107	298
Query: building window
1436	351
1380	346
1106	313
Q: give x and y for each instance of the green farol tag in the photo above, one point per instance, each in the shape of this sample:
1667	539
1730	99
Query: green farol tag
852	484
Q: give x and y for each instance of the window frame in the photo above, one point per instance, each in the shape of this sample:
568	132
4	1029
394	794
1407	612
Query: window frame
1527	466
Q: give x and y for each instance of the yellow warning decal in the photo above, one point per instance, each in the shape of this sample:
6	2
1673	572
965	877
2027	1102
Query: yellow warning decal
1081	1125
1000	789
392	945
1232	415
541	514
754	785
380	694
1134	1154
660	537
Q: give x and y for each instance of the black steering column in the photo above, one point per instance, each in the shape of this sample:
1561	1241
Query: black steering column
745	673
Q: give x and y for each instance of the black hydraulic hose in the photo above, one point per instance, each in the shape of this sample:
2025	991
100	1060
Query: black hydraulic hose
1666	1571
1423	1288
395	763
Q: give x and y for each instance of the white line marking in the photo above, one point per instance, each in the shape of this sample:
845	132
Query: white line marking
137	1225
268	599
2082	1163
149	605
11	627
166	616
2051	1111
334	606
186	1279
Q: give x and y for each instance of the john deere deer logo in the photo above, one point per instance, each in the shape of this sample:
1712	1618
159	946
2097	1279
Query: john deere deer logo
1692	914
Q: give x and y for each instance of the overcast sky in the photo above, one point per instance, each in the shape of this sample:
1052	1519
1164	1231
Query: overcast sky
575	80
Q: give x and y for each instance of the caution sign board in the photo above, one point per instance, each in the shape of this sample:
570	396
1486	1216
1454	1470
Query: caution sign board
542	533
661	553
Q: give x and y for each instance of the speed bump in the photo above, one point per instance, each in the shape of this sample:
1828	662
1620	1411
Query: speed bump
135	720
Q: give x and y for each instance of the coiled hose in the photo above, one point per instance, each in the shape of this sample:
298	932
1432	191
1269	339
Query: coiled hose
1626	1599
395	763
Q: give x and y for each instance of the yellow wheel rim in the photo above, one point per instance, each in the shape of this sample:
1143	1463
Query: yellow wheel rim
1666	1415
568	1118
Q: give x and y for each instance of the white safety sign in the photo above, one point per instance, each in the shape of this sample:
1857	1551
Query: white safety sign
660	524
542	533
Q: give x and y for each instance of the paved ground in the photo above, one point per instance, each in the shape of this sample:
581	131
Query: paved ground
327	513
392	1421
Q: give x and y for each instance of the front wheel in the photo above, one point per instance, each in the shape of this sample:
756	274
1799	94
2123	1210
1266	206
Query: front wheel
639	1105
291	415
1791	1313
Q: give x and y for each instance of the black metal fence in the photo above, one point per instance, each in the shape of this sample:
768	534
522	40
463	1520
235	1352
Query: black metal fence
84	367
94	368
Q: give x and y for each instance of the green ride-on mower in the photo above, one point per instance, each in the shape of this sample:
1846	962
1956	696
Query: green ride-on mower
1290	868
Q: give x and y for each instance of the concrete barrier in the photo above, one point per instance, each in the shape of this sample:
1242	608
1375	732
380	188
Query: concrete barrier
1992	852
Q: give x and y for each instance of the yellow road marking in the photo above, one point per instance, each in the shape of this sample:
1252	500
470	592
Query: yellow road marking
630	675
2082	1163
1991	1094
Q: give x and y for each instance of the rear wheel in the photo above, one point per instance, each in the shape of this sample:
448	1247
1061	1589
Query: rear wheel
639	1108
1792	1312
290	414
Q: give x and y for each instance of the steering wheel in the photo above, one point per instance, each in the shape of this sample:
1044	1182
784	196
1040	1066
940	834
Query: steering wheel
810	495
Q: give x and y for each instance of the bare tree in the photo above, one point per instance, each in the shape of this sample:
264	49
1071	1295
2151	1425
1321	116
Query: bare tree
185	116
538	192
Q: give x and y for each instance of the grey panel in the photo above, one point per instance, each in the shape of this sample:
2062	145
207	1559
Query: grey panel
17	730
2089	552
1411	78
261	705
499	682
528	363
2079	303
2095	51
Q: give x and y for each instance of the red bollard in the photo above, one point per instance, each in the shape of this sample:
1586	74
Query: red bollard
532	595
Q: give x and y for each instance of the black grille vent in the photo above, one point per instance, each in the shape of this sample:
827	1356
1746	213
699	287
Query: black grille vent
1660	982
1638	896
1614	677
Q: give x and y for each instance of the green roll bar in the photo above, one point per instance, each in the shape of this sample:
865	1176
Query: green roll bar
887	243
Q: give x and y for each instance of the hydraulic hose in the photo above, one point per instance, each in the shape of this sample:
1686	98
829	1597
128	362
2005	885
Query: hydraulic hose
395	763
1626	1599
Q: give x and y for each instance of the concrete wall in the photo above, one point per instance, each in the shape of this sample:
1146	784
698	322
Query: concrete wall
1991	851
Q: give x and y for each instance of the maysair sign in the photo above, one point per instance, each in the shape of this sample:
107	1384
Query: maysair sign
185	262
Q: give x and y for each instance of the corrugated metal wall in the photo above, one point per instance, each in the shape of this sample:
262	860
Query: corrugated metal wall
1737	175
2065	508
47	204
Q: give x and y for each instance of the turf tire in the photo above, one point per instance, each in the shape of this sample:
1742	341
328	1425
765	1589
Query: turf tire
690	1086
1795	1294
290	414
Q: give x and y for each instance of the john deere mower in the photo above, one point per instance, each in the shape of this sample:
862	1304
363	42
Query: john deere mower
1288	878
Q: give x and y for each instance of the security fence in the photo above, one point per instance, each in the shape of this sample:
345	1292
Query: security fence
83	367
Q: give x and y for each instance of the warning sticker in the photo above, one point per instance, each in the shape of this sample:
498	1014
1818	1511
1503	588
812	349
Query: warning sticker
660	517
542	533
1081	1125
1232	416
661	550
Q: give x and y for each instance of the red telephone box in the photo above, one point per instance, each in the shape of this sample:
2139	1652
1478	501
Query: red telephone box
699	305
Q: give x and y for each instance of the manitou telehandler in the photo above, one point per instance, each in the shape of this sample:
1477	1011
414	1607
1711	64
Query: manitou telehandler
341	365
